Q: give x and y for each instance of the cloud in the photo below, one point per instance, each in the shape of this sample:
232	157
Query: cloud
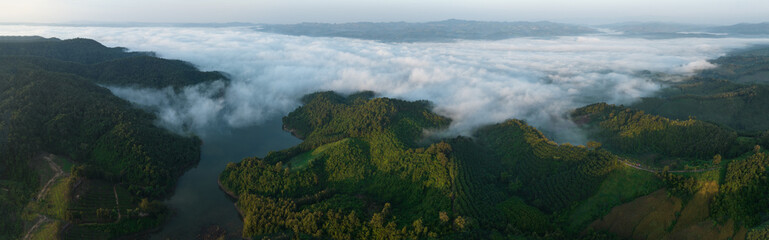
194	108
696	66
473	82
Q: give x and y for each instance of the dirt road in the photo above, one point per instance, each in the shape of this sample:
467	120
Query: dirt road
637	166
59	173
40	220
117	203
56	168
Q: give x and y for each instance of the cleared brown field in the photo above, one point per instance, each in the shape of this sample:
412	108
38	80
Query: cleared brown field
662	216
645	217
697	209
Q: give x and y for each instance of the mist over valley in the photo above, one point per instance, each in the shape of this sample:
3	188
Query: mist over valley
451	129
473	82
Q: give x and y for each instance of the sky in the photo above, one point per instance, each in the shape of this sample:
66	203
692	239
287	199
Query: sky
716	12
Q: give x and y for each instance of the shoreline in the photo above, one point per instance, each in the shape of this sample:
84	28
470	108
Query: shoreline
225	190
292	131
232	196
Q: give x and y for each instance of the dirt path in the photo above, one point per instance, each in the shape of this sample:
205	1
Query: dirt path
633	165
694	170
40	220
43	218
55	167
117	203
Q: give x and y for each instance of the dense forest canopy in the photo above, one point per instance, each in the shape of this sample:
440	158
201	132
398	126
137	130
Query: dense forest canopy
79	50
365	171
687	163
735	94
628	130
361	173
51	103
108	66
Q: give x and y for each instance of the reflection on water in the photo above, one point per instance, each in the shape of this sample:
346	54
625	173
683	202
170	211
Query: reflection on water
198	201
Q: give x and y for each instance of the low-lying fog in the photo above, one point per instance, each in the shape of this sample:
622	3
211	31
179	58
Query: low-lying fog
472	82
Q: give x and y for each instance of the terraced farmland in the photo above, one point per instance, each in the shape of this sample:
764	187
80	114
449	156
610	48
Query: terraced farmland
94	195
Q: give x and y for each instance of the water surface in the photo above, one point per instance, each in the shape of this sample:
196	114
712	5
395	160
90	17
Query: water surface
198	202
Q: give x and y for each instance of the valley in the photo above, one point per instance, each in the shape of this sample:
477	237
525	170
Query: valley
78	162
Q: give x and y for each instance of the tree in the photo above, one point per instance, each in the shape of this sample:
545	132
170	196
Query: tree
460	223
593	145
443	216
151	207
717	159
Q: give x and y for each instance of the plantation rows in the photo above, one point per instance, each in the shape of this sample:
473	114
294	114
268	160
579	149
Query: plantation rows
125	198
98	195
77	232
549	176
561	190
476	188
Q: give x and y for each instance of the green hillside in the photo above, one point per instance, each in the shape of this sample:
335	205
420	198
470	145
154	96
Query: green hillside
735	94
76	162
627	130
50	103
360	173
91	60
79	50
365	171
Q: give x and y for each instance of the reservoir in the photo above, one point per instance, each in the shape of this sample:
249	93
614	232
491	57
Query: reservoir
197	201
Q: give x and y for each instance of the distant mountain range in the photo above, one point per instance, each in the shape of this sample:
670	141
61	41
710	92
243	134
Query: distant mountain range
688	30
454	29
429	31
654	27
744	28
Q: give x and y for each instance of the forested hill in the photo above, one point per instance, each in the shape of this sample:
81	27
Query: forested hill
78	50
50	103
361	174
109	66
711	130
735	94
633	131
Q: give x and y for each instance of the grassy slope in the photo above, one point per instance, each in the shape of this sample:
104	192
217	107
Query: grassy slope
660	215
47	231
56	202
655	209
621	186
303	160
